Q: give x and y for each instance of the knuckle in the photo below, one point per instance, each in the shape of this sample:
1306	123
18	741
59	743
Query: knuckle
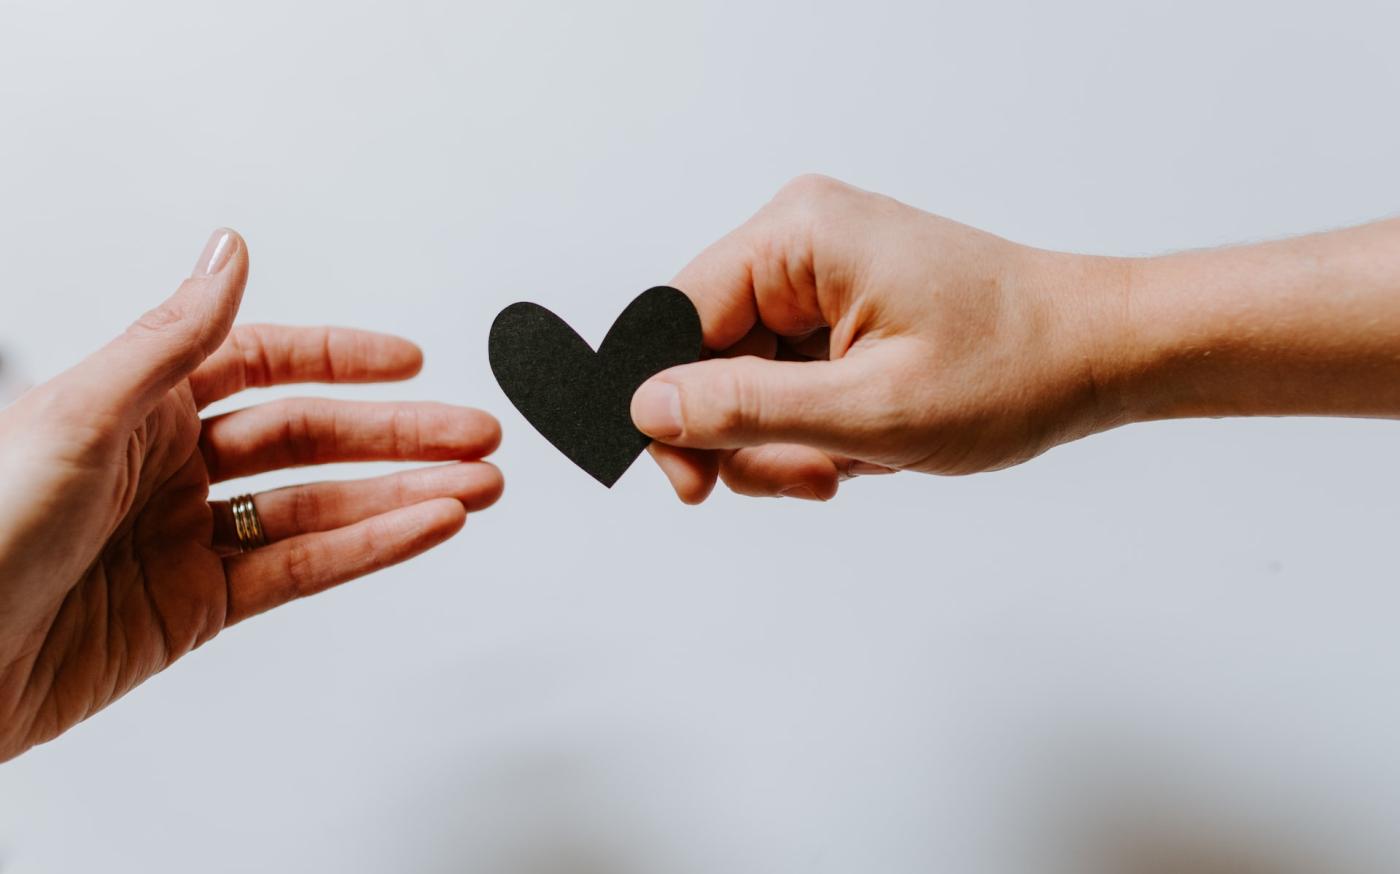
160	320
808	188
407	433
739	475
738	405
299	432
169	325
402	497
299	568
307	510
252	353
806	209
326	341
770	255
376	546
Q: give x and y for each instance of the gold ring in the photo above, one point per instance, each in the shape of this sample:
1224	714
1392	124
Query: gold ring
247	524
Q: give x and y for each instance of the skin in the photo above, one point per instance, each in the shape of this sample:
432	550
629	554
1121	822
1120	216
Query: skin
854	335
113	561
850	335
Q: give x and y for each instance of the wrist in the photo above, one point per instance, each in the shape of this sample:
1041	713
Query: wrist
1163	329
1093	354
1175	336
1168	334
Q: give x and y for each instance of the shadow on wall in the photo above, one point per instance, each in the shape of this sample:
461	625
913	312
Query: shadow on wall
1162	852
539	812
1103	803
1159	807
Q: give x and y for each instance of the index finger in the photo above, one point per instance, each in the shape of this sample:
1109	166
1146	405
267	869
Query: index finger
257	356
766	270
719	281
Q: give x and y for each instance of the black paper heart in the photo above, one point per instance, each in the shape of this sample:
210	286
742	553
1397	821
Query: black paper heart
580	400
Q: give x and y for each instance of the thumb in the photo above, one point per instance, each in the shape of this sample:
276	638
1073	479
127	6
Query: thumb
728	403
129	375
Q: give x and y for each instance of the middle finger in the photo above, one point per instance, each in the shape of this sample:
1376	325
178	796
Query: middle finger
304	431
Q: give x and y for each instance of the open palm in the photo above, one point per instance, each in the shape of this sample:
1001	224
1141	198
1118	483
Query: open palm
113	561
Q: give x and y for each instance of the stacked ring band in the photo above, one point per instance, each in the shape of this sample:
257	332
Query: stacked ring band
247	525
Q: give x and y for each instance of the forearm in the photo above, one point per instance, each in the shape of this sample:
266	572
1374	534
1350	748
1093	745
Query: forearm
1309	326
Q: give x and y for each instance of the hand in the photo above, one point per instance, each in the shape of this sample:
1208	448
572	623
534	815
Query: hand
905	341
857	335
113	563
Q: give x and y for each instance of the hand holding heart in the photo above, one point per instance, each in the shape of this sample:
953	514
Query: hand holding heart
855	334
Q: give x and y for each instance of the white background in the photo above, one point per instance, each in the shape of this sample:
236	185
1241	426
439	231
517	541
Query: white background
1175	645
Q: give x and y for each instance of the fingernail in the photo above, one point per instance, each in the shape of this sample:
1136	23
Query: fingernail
865	468
656	409
803	492
216	253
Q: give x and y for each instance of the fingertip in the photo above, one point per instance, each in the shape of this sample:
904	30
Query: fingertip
230	270
824	487
692	473
219	280
475	484
695	491
818	473
656	409
486	485
494	432
407	357
223	247
442	518
482	433
417	529
240	252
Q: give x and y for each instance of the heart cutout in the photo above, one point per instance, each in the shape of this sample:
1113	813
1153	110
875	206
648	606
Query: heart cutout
578	399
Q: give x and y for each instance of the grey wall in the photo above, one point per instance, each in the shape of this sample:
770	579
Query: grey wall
1175	645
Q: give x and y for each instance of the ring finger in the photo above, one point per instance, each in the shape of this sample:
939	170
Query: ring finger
325	506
